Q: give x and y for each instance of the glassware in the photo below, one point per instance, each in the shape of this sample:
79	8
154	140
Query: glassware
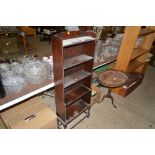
138	42
109	41
113	50
106	51
49	70
7	74
101	57
14	83
36	72
96	56
17	68
4	67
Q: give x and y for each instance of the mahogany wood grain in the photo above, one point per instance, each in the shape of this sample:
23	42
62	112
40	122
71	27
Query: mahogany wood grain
73	67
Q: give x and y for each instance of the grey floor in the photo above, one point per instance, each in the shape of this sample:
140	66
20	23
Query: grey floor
136	111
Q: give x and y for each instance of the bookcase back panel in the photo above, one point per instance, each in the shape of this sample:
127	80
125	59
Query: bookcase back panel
87	97
72	51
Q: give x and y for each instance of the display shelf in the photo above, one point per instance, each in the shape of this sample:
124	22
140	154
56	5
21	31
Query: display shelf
146	31
75	77
68	63
105	62
134	65
74	110
78	40
131	59
137	52
75	94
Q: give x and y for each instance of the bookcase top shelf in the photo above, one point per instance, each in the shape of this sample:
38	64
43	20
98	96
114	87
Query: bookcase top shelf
73	41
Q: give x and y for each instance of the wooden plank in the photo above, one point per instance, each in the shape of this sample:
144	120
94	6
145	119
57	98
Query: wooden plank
127	46
143	59
137	52
148	40
141	69
146	31
134	65
116	90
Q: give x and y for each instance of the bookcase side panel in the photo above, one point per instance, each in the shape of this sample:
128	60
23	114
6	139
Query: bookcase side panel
57	50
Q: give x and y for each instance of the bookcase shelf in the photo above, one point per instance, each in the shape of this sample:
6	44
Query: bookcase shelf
75	94
76	109
75	77
68	63
73	59
77	40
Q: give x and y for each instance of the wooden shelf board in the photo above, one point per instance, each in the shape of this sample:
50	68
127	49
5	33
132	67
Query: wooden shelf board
78	40
137	52
75	77
75	94
74	110
134	65
146	31
68	63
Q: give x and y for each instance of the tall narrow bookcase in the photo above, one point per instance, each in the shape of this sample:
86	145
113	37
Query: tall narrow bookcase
73	58
131	58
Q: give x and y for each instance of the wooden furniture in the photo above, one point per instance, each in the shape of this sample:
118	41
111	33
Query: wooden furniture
111	79
25	34
73	57
49	33
131	58
134	80
13	98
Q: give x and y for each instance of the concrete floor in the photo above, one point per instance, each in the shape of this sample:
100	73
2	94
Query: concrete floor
136	111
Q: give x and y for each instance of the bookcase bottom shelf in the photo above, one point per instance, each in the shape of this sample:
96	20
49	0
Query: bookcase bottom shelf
73	111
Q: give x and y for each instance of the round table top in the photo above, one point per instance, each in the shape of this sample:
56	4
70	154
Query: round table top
112	78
